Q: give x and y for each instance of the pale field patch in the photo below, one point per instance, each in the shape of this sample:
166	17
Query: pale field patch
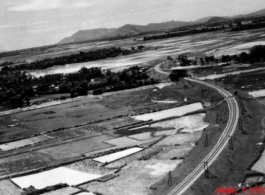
178	111
85	193
162	85
165	101
260	164
53	177
187	123
136	156
258	93
160	168
23	142
117	155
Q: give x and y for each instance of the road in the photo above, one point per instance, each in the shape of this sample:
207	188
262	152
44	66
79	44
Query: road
220	145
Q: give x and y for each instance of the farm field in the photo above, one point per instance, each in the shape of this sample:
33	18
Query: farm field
86	109
252	82
75	149
20	164
76	132
51	118
139	174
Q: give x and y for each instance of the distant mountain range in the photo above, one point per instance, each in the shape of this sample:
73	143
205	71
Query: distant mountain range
124	31
130	30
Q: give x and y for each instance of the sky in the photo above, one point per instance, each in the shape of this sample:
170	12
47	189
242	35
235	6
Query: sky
32	23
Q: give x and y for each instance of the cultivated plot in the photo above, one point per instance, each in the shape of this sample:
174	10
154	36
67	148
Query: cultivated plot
76	148
20	164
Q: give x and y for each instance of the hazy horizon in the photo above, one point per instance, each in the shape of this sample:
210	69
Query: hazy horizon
34	23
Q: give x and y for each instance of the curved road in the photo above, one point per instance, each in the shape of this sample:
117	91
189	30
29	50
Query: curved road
220	145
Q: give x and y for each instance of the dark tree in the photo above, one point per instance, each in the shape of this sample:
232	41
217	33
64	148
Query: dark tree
176	75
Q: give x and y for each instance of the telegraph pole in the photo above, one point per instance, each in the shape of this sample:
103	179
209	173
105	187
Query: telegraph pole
169	182
206	169
231	146
217	118
206	141
240	124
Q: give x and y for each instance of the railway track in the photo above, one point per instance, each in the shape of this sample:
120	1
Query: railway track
220	145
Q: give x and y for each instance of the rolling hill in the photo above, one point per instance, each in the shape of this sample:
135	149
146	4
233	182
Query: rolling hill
214	20
127	30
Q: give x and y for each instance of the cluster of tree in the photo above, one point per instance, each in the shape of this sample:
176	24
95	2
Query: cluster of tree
183	33
256	54
255	25
184	61
6	63
176	75
16	87
75	58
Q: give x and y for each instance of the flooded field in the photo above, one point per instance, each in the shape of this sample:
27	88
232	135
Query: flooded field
206	44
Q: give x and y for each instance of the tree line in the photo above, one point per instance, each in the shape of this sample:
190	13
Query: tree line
17	87
74	58
184	33
255	54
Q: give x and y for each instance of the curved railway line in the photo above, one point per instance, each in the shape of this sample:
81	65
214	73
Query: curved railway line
220	145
